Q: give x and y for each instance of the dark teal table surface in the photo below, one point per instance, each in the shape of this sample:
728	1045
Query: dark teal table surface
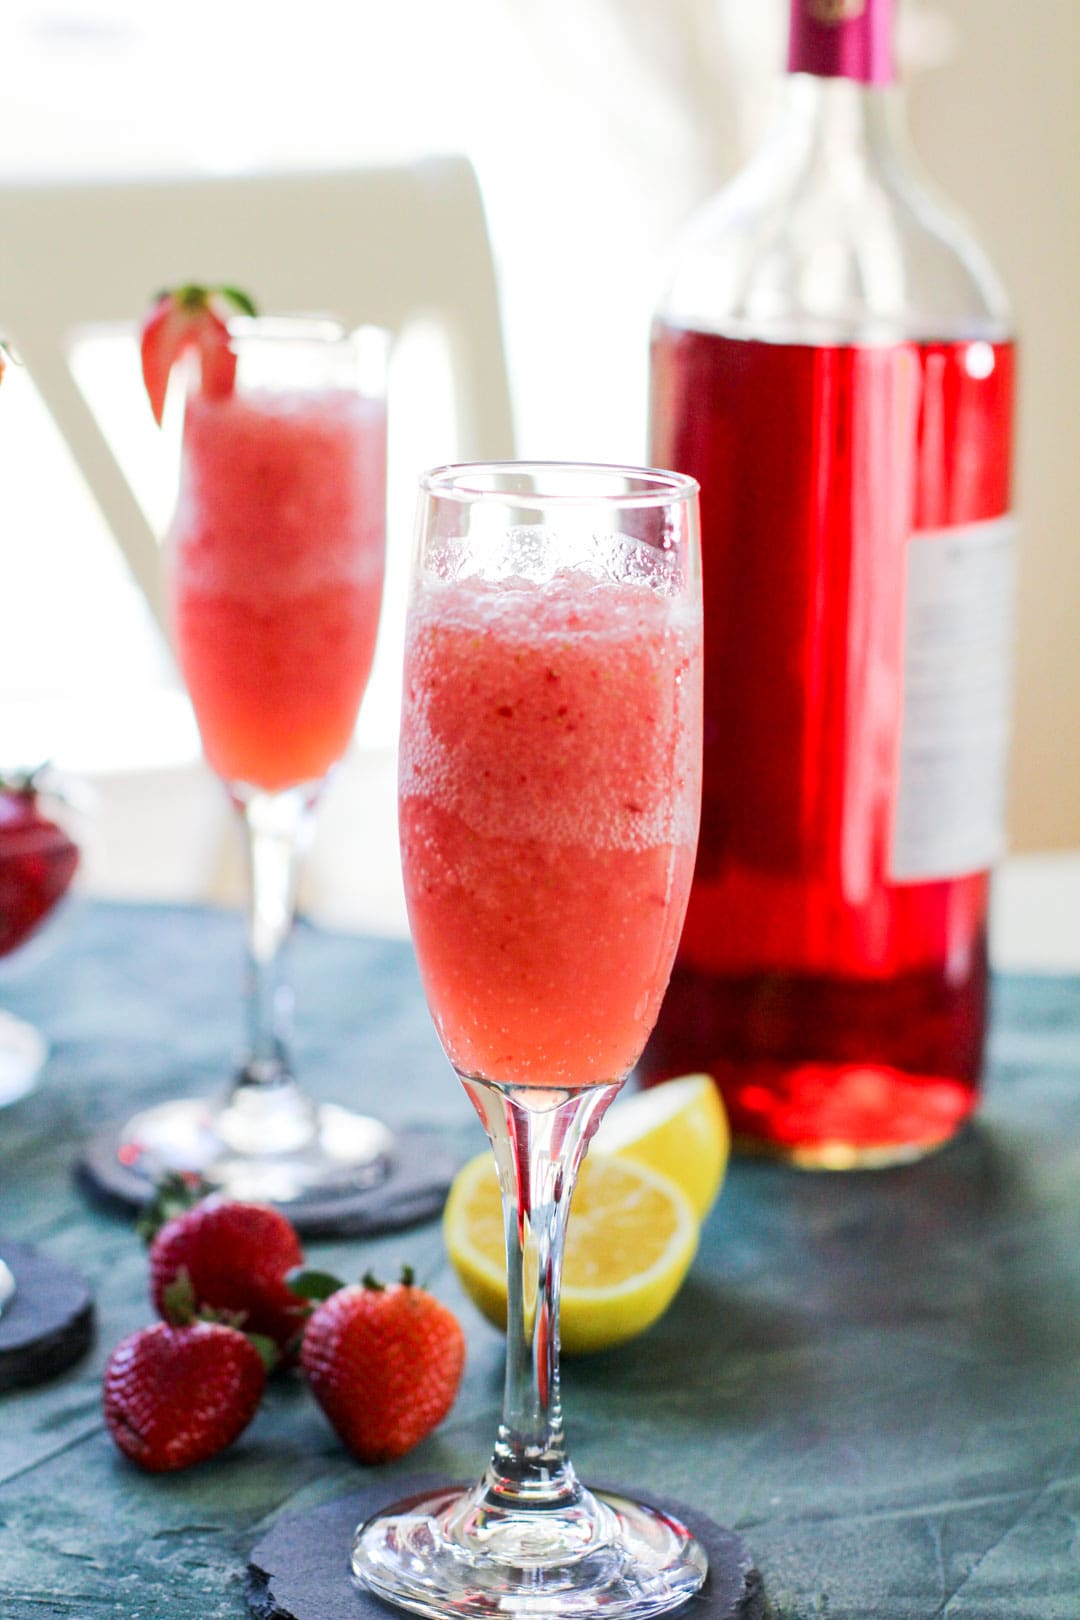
874	1378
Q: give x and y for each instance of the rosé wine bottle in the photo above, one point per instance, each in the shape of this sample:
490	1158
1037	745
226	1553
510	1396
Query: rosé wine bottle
833	361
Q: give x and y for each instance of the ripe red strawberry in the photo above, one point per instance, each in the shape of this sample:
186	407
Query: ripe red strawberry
235	1258
190	317
37	861
384	1364
174	1396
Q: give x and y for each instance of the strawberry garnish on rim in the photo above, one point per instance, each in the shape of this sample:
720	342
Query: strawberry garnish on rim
190	317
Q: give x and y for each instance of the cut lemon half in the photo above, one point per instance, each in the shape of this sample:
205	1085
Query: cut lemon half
632	1236
679	1128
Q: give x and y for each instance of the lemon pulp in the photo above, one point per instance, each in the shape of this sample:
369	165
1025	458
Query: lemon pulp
632	1235
679	1128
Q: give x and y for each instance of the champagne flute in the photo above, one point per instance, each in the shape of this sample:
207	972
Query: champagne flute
550	780
274	566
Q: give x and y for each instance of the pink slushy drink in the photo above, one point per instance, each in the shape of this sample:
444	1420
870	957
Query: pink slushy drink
550	785
275	575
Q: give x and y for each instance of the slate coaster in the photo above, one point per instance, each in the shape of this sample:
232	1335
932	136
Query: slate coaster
415	1188
300	1571
48	1324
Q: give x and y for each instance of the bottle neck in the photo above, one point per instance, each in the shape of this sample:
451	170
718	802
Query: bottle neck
835	126
843	39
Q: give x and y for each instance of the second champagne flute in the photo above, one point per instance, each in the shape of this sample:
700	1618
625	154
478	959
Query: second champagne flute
550	790
274	567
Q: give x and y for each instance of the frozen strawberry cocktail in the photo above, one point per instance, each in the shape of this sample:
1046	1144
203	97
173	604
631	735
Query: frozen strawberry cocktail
274	570
550	783
550	779
275	575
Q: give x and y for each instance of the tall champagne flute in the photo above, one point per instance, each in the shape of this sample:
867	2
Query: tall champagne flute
274	567
549	797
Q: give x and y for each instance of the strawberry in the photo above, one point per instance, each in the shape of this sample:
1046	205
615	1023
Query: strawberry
37	860
190	317
233	1258
384	1364
174	1396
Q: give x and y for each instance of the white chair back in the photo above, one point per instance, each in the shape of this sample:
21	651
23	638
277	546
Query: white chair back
381	246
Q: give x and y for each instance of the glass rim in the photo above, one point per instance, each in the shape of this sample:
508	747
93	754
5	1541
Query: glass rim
660	486
316	327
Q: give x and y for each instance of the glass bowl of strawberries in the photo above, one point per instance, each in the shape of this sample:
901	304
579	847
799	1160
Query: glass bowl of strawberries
38	859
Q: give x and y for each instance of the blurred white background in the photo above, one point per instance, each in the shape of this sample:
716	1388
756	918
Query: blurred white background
595	126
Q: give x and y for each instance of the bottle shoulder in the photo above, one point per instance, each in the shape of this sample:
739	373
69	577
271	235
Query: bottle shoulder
834	241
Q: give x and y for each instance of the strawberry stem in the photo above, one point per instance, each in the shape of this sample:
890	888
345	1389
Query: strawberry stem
193	296
268	1350
243	301
308	1284
174	1193
178	1300
24	783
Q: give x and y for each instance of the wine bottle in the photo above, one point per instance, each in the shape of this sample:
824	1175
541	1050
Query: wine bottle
833	360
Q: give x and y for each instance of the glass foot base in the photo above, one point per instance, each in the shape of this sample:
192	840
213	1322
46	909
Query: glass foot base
837	1155
22	1056
338	1151
437	1554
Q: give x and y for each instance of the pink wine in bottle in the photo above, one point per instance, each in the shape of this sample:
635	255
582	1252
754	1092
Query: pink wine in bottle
833	361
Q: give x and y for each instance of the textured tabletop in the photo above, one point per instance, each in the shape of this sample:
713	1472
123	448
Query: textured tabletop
874	1378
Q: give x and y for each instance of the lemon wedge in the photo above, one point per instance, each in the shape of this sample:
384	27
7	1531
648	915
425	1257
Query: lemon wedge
679	1128
632	1236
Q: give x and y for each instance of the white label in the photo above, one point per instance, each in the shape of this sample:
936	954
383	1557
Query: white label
950	803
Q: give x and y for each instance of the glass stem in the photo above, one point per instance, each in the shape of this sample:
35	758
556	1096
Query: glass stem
539	1137
277	828
7	1286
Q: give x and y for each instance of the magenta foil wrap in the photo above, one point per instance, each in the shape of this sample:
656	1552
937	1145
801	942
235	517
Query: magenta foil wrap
842	39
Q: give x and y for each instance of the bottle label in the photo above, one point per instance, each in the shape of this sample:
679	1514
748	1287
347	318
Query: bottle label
950	810
849	39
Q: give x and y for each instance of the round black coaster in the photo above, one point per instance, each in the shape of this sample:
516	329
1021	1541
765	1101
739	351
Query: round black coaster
47	1324
300	1571
414	1189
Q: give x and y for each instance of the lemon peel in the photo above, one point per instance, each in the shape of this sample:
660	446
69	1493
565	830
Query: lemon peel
679	1128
